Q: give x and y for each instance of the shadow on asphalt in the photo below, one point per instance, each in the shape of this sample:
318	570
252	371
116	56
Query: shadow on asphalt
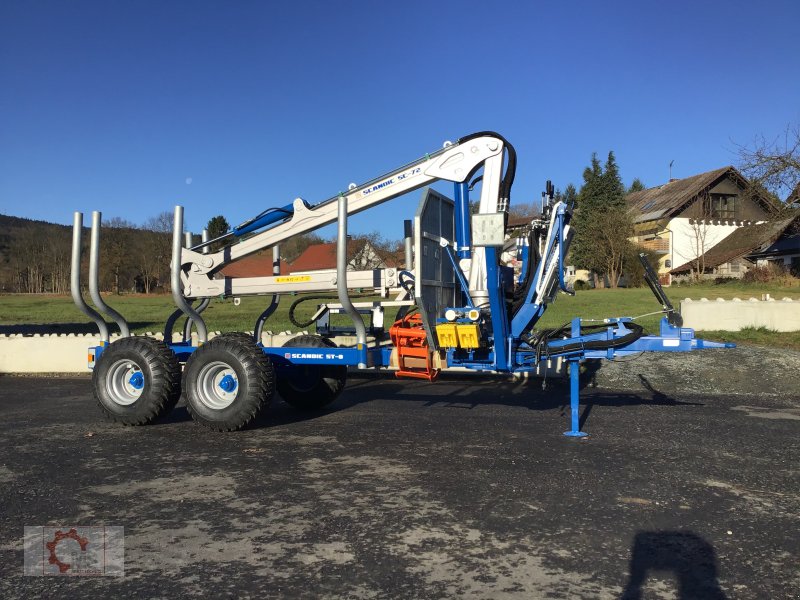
462	394
688	557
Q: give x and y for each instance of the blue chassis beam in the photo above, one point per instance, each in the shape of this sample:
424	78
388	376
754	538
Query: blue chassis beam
672	339
284	357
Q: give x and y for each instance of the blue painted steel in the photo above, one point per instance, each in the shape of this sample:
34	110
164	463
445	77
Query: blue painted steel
463	226
327	356
521	358
272	216
137	381
574	400
497	305
228	383
459	225
533	308
523	255
574	387
561	218
315	356
459	276
310	356
385	355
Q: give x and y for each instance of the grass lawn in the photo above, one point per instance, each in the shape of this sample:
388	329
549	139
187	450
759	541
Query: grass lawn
148	313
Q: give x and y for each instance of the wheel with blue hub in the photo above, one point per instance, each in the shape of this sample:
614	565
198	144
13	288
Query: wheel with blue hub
137	380
311	387
228	381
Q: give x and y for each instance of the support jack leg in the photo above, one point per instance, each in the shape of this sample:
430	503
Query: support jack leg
574	400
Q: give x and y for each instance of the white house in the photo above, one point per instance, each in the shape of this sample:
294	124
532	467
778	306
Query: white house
683	219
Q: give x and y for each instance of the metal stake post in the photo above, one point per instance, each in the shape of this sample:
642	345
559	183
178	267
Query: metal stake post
94	277
574	388
75	279
258	330
341	284
409	242
175	279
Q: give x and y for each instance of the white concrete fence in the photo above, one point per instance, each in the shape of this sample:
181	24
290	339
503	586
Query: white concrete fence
738	314
68	353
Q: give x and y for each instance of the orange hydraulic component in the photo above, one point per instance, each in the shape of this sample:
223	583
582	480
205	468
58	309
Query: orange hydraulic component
414	357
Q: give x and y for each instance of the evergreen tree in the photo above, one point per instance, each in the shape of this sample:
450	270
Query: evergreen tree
589	200
602	223
611	182
217	226
570	195
637	186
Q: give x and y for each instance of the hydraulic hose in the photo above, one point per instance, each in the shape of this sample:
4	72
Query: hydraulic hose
636	332
511	168
298	302
302	299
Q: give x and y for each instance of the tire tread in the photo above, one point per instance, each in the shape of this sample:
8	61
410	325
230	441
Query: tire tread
259	375
165	376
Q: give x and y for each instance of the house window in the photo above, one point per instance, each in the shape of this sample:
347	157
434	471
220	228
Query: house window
723	206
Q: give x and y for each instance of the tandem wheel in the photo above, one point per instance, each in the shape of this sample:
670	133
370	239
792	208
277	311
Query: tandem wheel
311	387
137	380
228	381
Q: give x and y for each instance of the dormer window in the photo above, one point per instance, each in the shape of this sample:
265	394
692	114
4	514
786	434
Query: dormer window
724	206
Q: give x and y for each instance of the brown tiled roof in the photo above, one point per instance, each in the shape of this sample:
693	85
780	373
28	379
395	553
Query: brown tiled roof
671	198
743	241
323	256
316	258
257	265
395	260
516	221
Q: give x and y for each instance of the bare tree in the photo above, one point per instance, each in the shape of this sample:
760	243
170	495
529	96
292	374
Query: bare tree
58	246
699	233
115	245
700	224
609	230
31	261
525	210
368	251
154	262
774	164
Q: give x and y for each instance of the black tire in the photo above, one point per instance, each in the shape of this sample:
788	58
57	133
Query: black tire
137	380
311	387
228	405
243	335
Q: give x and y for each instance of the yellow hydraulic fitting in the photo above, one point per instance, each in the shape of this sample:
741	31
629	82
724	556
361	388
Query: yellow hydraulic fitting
468	335
446	332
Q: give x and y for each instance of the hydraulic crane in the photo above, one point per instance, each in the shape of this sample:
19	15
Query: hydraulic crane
456	303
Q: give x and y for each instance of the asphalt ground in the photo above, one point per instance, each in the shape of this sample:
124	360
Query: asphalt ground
464	488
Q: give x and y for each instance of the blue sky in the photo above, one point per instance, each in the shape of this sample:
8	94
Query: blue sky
233	107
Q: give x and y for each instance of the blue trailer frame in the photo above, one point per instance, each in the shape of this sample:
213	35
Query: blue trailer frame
507	345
